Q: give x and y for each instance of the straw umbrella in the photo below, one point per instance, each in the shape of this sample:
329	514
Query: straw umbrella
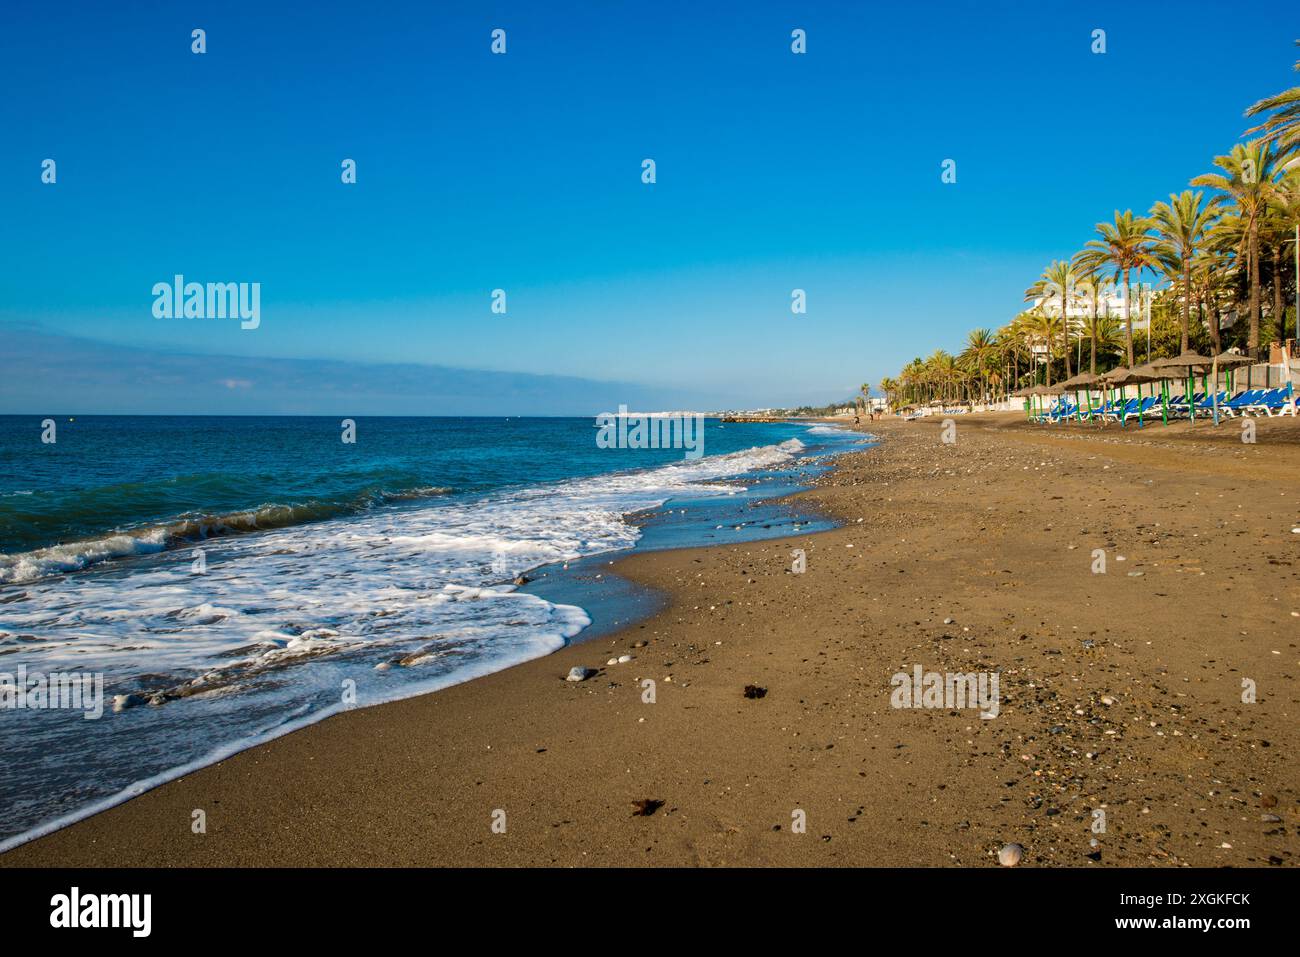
1038	391
1190	361
1056	389
1229	361
1150	373
1125	376
1083	379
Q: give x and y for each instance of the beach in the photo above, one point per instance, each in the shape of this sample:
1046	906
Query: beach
1120	691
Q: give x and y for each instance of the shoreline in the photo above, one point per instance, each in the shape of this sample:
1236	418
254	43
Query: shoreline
975	533
609	602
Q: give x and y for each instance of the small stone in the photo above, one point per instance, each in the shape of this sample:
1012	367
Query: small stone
123	701
948	621
1270	818
579	673
1010	855
624	659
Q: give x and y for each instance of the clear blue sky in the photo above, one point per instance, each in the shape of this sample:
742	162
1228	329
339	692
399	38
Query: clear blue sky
523	171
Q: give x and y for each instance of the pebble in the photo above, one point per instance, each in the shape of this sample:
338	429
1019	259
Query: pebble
579	673
123	701
1010	855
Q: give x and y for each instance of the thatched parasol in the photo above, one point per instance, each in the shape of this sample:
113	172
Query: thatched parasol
1227	360
1134	375
1126	375
1190	362
1152	373
1080	380
1184	360
1084	380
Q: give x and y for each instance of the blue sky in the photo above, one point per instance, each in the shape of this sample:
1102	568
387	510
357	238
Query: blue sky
523	172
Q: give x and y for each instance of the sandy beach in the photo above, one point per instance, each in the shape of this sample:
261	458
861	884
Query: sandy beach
1120	692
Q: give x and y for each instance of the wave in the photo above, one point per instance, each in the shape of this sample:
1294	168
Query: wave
21	567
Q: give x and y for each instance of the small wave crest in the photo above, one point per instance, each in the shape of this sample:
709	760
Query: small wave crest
186	529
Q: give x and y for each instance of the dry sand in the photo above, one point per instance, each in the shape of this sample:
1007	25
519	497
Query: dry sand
996	533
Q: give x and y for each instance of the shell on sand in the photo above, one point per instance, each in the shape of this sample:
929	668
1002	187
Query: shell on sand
1010	855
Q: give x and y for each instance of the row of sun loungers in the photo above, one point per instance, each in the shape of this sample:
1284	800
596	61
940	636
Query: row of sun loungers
1253	402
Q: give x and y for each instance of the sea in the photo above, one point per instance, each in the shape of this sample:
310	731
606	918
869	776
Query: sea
231	579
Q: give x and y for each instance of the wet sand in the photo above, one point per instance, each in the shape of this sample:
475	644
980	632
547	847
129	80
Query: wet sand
1120	692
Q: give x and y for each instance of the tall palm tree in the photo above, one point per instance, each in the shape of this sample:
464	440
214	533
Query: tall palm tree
1057	284
980	351
1090	273
1008	341
1283	127
1106	335
1212	276
889	386
1247	178
1122	248
1039	329
1181	227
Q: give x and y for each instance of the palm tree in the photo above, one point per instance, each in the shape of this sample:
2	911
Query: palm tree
1089	274
1283	127
1008	342
1212	277
889	387
913	376
979	353
1122	248
1182	228
1106	335
1057	281
1247	177
1039	329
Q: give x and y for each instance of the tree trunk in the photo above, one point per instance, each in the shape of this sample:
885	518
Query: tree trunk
1065	334
1128	319
1187	301
1092	365
1279	315
1252	253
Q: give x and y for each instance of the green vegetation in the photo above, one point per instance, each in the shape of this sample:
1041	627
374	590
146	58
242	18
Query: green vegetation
1224	262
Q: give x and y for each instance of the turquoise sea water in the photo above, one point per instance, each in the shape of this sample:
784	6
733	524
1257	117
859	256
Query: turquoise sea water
232	578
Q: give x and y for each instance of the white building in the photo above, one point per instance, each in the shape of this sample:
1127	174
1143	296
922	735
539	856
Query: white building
1078	304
